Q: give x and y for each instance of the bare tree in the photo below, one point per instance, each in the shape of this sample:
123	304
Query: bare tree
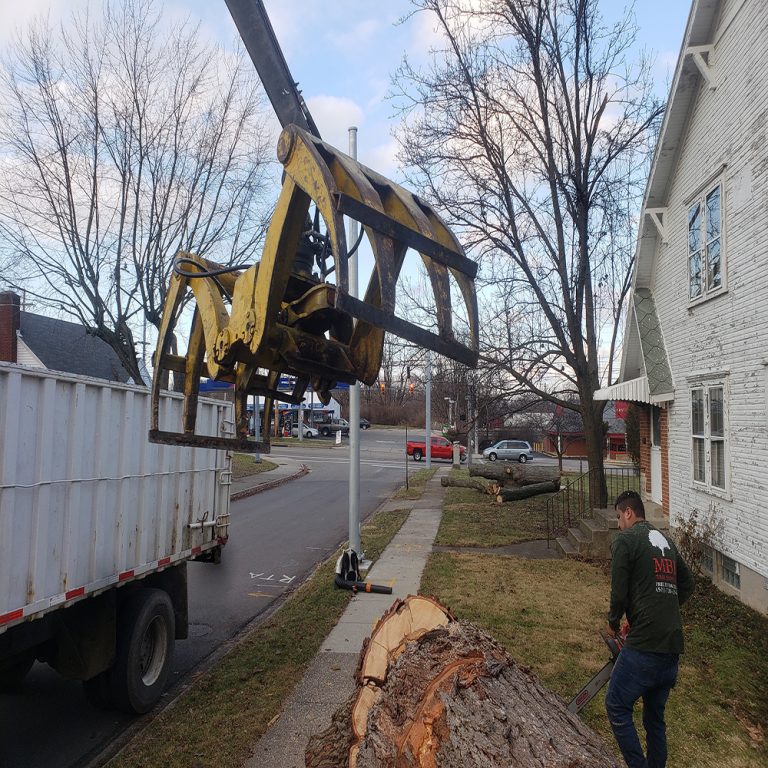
125	139
531	129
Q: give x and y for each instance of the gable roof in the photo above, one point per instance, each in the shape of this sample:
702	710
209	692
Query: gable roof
69	347
644	374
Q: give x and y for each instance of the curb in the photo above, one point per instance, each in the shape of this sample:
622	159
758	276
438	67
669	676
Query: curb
269	484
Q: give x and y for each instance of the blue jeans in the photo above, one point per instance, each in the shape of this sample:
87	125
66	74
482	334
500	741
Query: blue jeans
650	676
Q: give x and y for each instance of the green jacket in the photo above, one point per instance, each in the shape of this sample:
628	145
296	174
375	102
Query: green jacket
649	583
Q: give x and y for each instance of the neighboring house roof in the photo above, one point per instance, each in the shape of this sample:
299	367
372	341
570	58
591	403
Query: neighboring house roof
645	373
64	346
570	422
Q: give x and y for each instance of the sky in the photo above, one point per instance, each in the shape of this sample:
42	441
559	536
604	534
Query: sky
344	52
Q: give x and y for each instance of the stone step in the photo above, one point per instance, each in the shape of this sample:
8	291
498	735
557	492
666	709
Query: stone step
595	529
579	540
565	547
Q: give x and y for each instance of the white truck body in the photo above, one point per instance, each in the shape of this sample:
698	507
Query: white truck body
87	503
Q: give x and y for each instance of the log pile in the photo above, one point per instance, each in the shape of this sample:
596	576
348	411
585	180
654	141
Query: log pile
437	692
511	482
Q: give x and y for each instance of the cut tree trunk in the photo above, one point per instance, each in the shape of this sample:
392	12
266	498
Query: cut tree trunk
525	474
452	697
473	482
518	474
515	494
494	471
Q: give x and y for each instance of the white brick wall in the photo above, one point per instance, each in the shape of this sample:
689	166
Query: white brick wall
727	133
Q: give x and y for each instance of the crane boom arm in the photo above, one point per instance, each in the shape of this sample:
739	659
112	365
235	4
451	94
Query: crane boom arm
255	29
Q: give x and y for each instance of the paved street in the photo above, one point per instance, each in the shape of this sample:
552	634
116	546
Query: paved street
276	538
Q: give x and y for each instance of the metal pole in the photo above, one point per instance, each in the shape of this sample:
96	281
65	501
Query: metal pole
469	432
474	404
428	408
354	393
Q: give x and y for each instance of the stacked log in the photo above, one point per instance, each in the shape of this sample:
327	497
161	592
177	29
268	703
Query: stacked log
449	696
476	483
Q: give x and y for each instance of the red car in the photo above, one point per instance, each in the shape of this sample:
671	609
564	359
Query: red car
440	449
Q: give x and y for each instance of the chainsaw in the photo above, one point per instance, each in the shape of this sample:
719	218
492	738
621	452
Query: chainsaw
591	689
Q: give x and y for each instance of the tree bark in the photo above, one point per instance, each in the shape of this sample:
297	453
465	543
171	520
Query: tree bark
453	697
515	494
490	471
517	474
459	482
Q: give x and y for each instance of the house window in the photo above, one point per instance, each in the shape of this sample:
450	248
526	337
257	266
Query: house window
708	436
707	559
705	273
729	572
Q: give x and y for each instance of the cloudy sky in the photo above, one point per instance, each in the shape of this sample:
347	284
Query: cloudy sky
343	52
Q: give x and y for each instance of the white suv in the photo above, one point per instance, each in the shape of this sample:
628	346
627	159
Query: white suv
514	450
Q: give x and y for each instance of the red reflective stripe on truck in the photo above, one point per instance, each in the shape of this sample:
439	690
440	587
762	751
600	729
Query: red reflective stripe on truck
163	561
13	615
74	593
125	575
196	550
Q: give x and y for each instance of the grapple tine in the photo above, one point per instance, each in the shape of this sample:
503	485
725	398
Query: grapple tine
285	320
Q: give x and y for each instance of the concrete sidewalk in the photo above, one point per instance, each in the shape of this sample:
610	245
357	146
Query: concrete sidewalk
329	682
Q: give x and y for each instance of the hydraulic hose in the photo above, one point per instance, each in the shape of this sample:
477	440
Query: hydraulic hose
361	586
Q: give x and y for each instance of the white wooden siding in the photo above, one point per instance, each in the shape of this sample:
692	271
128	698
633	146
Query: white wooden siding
727	140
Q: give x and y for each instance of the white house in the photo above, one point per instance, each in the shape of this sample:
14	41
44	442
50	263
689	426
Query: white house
696	340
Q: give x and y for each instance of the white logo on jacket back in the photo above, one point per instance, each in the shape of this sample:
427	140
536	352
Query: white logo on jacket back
657	540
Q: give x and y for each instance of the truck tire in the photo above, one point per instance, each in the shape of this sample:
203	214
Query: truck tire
325	432
416	454
145	638
13	672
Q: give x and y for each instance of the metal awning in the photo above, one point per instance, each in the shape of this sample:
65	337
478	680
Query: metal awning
634	390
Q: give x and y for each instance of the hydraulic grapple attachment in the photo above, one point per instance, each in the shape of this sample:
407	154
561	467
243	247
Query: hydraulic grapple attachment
283	320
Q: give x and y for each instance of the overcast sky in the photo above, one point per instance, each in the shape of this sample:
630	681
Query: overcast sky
343	53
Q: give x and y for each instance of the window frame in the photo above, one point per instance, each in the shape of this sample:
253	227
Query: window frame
700	199
730	575
707	438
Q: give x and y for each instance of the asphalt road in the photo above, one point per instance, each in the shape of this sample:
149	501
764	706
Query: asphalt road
276	539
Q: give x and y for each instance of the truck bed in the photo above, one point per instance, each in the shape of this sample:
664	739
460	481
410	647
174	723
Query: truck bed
86	501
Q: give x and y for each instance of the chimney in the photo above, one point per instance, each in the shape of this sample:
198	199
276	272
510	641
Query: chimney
10	322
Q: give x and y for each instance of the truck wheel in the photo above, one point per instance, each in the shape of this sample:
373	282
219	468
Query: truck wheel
416	455
325	432
145	638
13	672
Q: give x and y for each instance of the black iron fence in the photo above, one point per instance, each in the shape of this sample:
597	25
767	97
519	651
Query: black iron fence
578	497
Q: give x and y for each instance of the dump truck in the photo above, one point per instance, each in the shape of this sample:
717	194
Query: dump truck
97	526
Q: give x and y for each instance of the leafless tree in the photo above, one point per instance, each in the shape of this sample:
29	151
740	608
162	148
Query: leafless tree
531	128
125	138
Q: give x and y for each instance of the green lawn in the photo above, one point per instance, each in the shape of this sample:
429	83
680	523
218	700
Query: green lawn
548	612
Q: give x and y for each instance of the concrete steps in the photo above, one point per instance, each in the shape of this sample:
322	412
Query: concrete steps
592	536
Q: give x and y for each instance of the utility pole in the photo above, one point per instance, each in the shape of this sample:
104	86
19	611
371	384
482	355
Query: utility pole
428	408
469	421
354	393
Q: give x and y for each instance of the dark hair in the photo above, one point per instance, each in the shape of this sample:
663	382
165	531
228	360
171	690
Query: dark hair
632	500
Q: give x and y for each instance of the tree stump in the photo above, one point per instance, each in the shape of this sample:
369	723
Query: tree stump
452	697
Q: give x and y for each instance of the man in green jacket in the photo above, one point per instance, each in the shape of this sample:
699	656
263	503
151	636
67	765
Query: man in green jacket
649	583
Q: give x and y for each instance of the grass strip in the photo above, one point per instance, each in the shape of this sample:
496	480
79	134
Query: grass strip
417	482
474	519
547	614
243	465
217	721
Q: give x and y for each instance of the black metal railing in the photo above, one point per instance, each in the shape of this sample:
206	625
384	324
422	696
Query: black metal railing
577	498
